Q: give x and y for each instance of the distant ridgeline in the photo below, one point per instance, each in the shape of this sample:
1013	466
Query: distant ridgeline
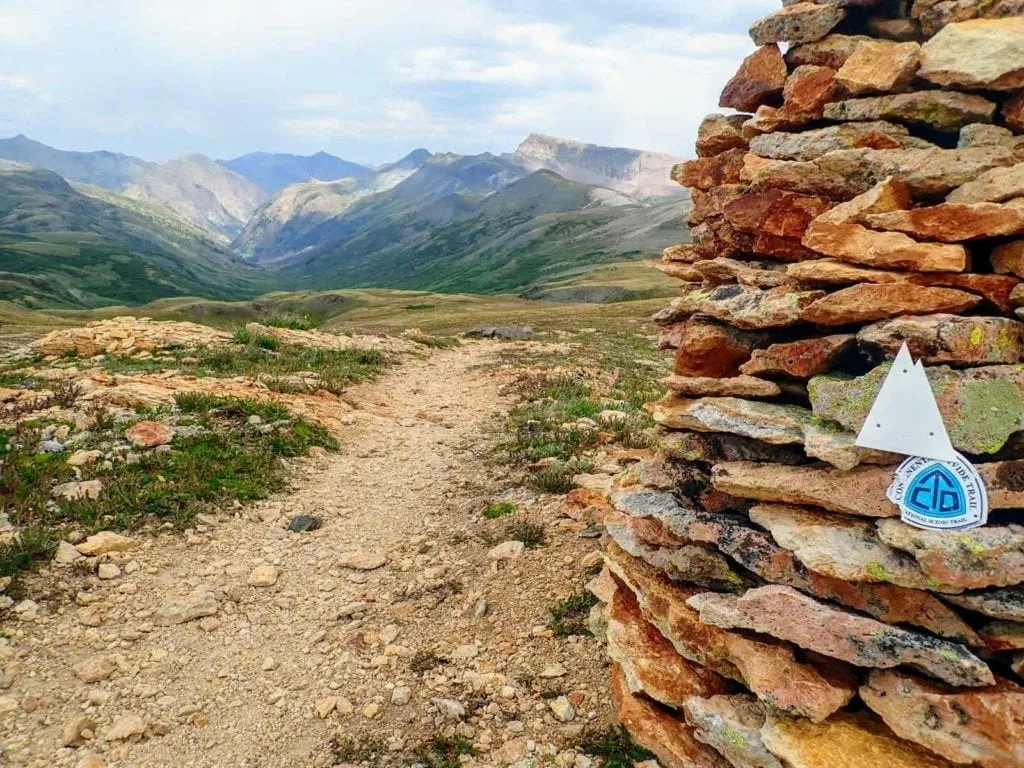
98	228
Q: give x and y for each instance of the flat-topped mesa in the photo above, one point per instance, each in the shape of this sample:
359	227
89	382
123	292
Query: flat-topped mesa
868	193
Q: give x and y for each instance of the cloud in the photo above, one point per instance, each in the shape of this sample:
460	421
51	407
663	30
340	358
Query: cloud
367	79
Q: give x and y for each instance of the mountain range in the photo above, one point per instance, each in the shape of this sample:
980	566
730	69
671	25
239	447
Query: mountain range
230	228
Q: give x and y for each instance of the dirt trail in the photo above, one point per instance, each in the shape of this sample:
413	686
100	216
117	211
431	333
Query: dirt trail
337	659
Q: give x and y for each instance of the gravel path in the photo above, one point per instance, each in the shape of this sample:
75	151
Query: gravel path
244	644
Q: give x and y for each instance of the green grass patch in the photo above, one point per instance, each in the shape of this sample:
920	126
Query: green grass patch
277	365
346	749
569	617
289	321
222	458
500	509
556	478
616	748
531	534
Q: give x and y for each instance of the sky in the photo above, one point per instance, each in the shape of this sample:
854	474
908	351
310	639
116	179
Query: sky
367	80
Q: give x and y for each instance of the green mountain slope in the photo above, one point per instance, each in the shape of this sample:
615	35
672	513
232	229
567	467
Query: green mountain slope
88	247
539	228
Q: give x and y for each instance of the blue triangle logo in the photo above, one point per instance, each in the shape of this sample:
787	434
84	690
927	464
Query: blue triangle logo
937	492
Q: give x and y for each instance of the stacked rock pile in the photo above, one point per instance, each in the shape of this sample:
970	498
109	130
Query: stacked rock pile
766	605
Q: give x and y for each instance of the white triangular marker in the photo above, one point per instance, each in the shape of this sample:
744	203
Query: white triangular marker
905	417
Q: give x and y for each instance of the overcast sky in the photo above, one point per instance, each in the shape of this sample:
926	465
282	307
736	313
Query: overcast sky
364	79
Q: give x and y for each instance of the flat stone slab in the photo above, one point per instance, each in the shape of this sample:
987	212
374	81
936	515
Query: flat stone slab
843	547
769	669
944	338
982	407
732	726
800	359
939	110
846	740
787	614
980	54
992	556
797	23
978	727
868	302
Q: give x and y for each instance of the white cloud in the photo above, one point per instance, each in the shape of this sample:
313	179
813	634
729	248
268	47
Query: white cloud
15	82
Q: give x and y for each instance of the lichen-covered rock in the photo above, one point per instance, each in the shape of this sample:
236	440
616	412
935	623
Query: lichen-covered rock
659	730
1003	636
787	614
879	66
939	110
981	406
858	492
843	174
683	563
976	727
770	670
649	663
800	359
760	79
995	185
992	556
842	547
746	308
936	14
937	339
812	144
981	54
769	422
799	23
1006	604
732	726
843	741
868	302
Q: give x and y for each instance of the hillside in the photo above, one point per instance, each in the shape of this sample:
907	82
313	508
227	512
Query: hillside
637	173
272	172
86	247
533	230
197	189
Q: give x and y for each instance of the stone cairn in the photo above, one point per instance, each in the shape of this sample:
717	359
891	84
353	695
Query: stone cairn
766	606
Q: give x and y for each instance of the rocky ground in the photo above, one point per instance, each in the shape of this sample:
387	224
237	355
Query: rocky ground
409	628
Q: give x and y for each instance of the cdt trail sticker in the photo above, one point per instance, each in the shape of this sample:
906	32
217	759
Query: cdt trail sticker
937	488
940	495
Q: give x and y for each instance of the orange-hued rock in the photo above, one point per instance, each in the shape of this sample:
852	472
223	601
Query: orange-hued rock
879	66
659	730
856	243
754	274
860	491
1008	259
714	349
720	133
150	434
996	290
741	307
868	302
768	669
1013	112
710	172
787	614
825	272
775	212
953	222
978	727
798	359
938	339
649	663
845	740
737	386
760	79
808	89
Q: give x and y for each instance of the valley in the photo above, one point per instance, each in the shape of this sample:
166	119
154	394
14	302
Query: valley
92	229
